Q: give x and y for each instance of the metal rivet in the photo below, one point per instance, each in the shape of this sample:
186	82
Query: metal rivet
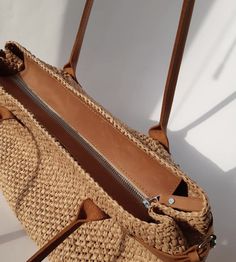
171	201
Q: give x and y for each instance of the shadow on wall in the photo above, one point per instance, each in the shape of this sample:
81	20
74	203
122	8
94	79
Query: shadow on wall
220	188
12	236
124	53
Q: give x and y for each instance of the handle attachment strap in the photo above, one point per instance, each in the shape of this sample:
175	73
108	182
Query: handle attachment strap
88	212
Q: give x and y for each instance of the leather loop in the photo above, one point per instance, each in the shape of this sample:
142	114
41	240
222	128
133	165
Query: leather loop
5	114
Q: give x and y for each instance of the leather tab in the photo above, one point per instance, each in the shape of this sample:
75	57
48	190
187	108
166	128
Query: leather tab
191	204
158	133
5	114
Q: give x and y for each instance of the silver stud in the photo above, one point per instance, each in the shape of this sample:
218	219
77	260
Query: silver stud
171	201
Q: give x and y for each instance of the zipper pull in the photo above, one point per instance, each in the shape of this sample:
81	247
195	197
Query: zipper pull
147	202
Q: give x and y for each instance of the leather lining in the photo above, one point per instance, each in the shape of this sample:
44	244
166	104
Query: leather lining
122	153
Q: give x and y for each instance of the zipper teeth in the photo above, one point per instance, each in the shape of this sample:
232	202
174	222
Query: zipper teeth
86	145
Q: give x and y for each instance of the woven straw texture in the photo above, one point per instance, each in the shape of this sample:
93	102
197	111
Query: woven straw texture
45	187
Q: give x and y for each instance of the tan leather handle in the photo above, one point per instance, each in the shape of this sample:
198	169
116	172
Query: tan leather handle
70	67
43	252
159	131
90	212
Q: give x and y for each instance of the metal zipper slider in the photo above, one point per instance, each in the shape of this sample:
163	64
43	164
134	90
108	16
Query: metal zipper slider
147	202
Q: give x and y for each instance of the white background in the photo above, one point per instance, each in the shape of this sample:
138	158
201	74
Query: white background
124	64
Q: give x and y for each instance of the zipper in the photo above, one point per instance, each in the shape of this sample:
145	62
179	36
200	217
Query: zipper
84	143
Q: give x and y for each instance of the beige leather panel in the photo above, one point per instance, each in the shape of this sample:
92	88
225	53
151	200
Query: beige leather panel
144	172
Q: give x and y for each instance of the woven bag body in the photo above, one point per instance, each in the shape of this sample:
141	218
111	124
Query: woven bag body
45	187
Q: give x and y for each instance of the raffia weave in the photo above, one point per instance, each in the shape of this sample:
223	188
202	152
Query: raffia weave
45	188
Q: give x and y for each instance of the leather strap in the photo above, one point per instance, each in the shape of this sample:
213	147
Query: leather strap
70	67
90	212
159	131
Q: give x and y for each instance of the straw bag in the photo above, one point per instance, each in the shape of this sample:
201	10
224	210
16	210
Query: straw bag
84	185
